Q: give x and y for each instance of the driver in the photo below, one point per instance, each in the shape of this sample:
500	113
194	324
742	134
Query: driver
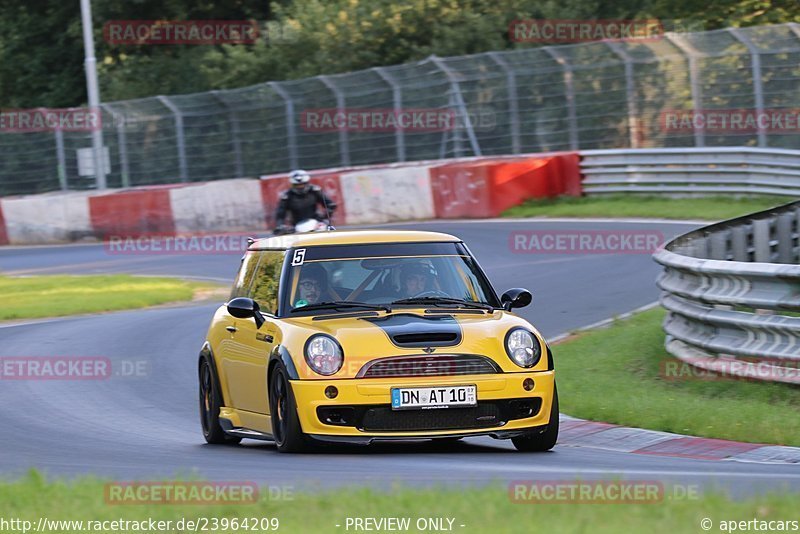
416	278
312	286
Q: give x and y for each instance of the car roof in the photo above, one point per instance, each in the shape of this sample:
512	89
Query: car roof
350	237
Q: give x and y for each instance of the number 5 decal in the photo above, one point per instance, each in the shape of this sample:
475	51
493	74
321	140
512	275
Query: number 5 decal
299	256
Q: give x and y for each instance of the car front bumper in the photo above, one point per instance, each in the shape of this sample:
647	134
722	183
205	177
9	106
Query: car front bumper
367	403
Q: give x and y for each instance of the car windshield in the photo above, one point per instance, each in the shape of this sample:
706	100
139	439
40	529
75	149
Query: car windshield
442	274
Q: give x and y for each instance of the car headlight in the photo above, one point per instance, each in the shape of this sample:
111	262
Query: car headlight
324	355
522	347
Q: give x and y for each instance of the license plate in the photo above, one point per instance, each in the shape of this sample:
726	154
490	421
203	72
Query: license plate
429	398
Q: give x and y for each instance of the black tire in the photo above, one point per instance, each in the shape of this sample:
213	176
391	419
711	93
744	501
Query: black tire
286	429
545	440
210	403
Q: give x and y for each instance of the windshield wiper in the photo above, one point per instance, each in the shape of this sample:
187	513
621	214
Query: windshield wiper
445	301
336	304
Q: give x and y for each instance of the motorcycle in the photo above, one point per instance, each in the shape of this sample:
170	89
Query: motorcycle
305	226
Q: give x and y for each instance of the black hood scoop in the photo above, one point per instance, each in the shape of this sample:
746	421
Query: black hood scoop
408	330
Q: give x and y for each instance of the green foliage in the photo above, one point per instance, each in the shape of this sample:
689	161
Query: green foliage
41	50
480	509
710	208
635	382
58	295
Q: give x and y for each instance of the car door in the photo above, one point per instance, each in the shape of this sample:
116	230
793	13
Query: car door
248	348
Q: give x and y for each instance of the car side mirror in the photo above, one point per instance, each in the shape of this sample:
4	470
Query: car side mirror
516	298
244	308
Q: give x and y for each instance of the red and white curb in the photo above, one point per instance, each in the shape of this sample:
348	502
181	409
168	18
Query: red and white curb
581	433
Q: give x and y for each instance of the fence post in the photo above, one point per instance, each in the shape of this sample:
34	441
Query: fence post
182	167
397	103
291	133
122	141
758	86
344	143
238	167
462	106
61	167
513	102
630	91
694	74
569	85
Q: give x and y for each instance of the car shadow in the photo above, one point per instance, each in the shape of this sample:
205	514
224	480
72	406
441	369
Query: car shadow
466	446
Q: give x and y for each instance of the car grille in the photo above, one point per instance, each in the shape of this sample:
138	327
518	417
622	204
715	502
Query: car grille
425	365
381	418
386	419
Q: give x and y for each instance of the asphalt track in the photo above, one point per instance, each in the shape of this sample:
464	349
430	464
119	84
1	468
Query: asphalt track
146	425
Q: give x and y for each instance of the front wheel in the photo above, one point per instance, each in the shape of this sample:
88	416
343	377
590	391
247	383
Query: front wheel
210	403
543	441
286	429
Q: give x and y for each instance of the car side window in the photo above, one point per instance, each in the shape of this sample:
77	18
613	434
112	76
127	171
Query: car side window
264	289
241	286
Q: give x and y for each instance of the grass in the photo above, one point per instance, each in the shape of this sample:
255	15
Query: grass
710	208
53	296
486	509
621	375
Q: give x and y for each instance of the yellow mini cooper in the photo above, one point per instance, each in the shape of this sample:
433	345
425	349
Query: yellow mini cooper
358	336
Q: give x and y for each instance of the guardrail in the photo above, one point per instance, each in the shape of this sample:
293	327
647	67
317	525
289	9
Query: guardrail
692	170
732	293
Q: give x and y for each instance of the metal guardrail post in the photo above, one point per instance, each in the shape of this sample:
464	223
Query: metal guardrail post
630	91
183	168
291	132
758	85
238	167
61	167
397	104
692	55
122	141
513	101
344	142
462	106
569	86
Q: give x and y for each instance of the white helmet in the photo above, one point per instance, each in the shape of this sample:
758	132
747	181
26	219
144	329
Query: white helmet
299	177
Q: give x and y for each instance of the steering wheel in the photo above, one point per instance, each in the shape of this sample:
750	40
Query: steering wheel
431	293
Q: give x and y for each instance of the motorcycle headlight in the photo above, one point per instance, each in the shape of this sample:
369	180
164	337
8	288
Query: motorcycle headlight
523	348
324	355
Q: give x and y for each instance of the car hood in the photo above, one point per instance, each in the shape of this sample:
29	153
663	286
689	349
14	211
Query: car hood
402	333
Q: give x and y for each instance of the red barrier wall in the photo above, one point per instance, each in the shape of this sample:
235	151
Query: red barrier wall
3	233
132	213
271	189
487	188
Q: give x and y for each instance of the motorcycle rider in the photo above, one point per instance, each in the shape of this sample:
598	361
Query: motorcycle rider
301	200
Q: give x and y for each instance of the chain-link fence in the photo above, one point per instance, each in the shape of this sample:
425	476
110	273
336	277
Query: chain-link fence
583	96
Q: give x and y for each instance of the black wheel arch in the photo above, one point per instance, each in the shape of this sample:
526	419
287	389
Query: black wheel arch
206	353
